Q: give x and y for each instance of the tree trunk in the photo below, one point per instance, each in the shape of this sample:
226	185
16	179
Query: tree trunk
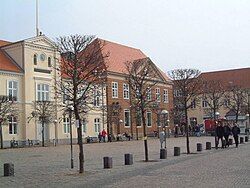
236	116
187	131
80	143
1	134
145	136
81	155
42	133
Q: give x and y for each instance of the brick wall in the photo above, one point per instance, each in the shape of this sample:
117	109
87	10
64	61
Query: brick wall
125	104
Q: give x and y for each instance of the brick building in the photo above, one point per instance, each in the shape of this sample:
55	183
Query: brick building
235	77
117	91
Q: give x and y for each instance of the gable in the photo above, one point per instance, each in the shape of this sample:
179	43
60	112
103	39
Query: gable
41	41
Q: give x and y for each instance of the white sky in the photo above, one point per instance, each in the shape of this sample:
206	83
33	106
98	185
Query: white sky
204	34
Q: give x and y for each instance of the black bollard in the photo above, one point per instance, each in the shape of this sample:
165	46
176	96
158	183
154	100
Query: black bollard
241	140
199	147
177	151
107	162
163	153
208	145
246	138
128	159
230	141
8	169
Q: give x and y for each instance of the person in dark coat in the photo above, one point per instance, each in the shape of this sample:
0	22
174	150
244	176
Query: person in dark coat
227	132
220	133
236	132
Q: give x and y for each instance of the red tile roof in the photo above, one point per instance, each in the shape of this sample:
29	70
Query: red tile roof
120	54
3	43
239	77
6	63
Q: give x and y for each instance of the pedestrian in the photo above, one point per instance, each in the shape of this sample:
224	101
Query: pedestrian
197	130
104	133
236	132
220	133
100	137
227	132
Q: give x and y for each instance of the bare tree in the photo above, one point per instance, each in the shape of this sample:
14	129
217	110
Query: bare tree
141	79
213	95
44	111
7	108
188	84
237	100
82	67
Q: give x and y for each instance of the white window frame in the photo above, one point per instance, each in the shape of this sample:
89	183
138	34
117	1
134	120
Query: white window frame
44	94
96	101
84	125
66	125
125	91
129	123
13	125
12	89
149	112
204	104
165	96
97	125
193	104
158	94
149	94
114	89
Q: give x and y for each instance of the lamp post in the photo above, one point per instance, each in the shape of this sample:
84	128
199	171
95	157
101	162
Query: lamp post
247	124
1	131
138	122
55	123
193	126
217	114
118	129
164	113
70	109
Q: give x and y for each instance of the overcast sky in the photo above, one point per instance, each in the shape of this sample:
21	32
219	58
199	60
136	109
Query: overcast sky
204	34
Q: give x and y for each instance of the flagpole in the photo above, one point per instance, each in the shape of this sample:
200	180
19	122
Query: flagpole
37	30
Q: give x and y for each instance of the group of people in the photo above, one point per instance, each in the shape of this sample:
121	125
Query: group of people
224	131
196	130
102	136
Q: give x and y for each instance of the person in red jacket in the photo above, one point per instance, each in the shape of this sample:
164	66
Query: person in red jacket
104	133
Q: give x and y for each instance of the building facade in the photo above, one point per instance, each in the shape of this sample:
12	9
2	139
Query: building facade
198	113
118	92
27	72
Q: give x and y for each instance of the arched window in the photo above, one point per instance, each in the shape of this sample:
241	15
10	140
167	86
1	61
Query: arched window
49	61
35	59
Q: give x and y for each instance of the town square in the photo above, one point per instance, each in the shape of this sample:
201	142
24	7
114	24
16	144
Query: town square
124	93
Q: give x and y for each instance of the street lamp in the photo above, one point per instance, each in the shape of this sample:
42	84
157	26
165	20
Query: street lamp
247	125
217	114
55	123
1	131
71	109
165	113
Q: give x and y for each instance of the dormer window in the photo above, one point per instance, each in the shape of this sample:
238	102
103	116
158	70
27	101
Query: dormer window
35	59
49	61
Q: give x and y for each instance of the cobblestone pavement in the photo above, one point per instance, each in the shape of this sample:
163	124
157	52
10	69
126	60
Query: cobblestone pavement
50	166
